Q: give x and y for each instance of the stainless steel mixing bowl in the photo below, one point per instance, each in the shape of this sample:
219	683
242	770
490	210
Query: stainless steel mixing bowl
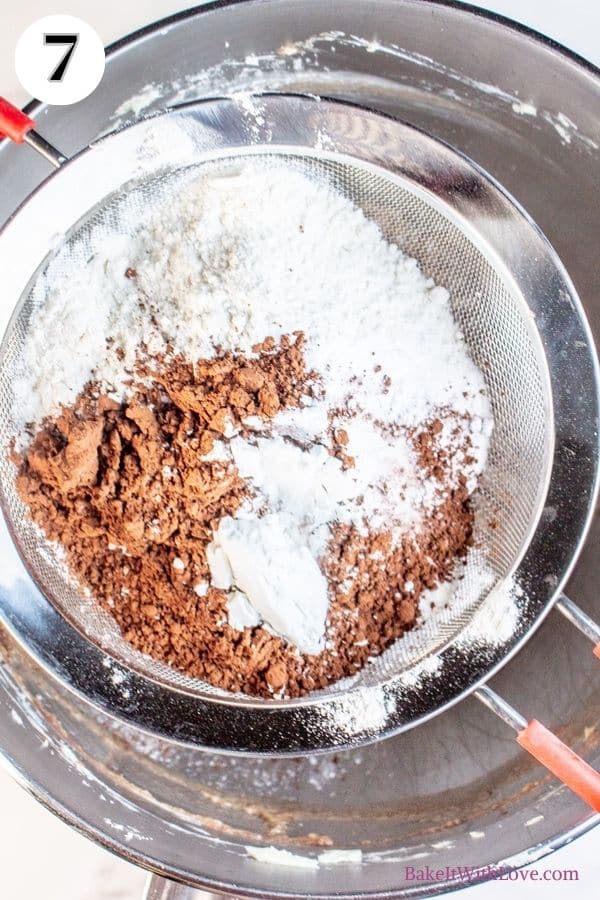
456	790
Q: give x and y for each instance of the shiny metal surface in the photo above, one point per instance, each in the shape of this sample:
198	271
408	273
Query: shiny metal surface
426	791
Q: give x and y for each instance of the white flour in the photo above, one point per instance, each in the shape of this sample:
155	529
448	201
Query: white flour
257	252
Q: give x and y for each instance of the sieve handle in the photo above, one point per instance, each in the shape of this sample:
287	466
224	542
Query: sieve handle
547	748
562	762
158	888
14	124
580	620
20	128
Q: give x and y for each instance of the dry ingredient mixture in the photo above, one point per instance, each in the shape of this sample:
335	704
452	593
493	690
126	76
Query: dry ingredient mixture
260	454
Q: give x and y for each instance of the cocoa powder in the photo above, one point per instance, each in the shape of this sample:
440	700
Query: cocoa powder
126	491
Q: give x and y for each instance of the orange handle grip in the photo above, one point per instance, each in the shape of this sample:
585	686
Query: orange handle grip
562	762
597	650
14	124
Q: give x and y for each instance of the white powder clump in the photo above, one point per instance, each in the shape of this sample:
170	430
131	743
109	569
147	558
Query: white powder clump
233	257
220	567
366	709
277	572
279	857
337	857
497	619
240	612
284	476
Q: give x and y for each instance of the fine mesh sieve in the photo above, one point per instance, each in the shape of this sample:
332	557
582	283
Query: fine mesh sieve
493	322
468	236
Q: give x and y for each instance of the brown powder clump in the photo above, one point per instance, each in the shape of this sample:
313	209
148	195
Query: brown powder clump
127	490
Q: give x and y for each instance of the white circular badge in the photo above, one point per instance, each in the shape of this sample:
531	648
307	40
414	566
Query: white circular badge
59	59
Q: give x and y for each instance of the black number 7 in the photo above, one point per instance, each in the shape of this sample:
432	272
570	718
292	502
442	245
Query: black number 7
61	68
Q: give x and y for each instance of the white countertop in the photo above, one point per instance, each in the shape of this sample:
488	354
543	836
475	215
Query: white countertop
40	857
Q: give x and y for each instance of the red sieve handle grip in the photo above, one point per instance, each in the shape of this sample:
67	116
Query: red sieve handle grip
14	124
597	650
562	762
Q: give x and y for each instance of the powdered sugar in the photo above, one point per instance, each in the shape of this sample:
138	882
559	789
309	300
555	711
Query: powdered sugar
497	619
273	567
284	474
